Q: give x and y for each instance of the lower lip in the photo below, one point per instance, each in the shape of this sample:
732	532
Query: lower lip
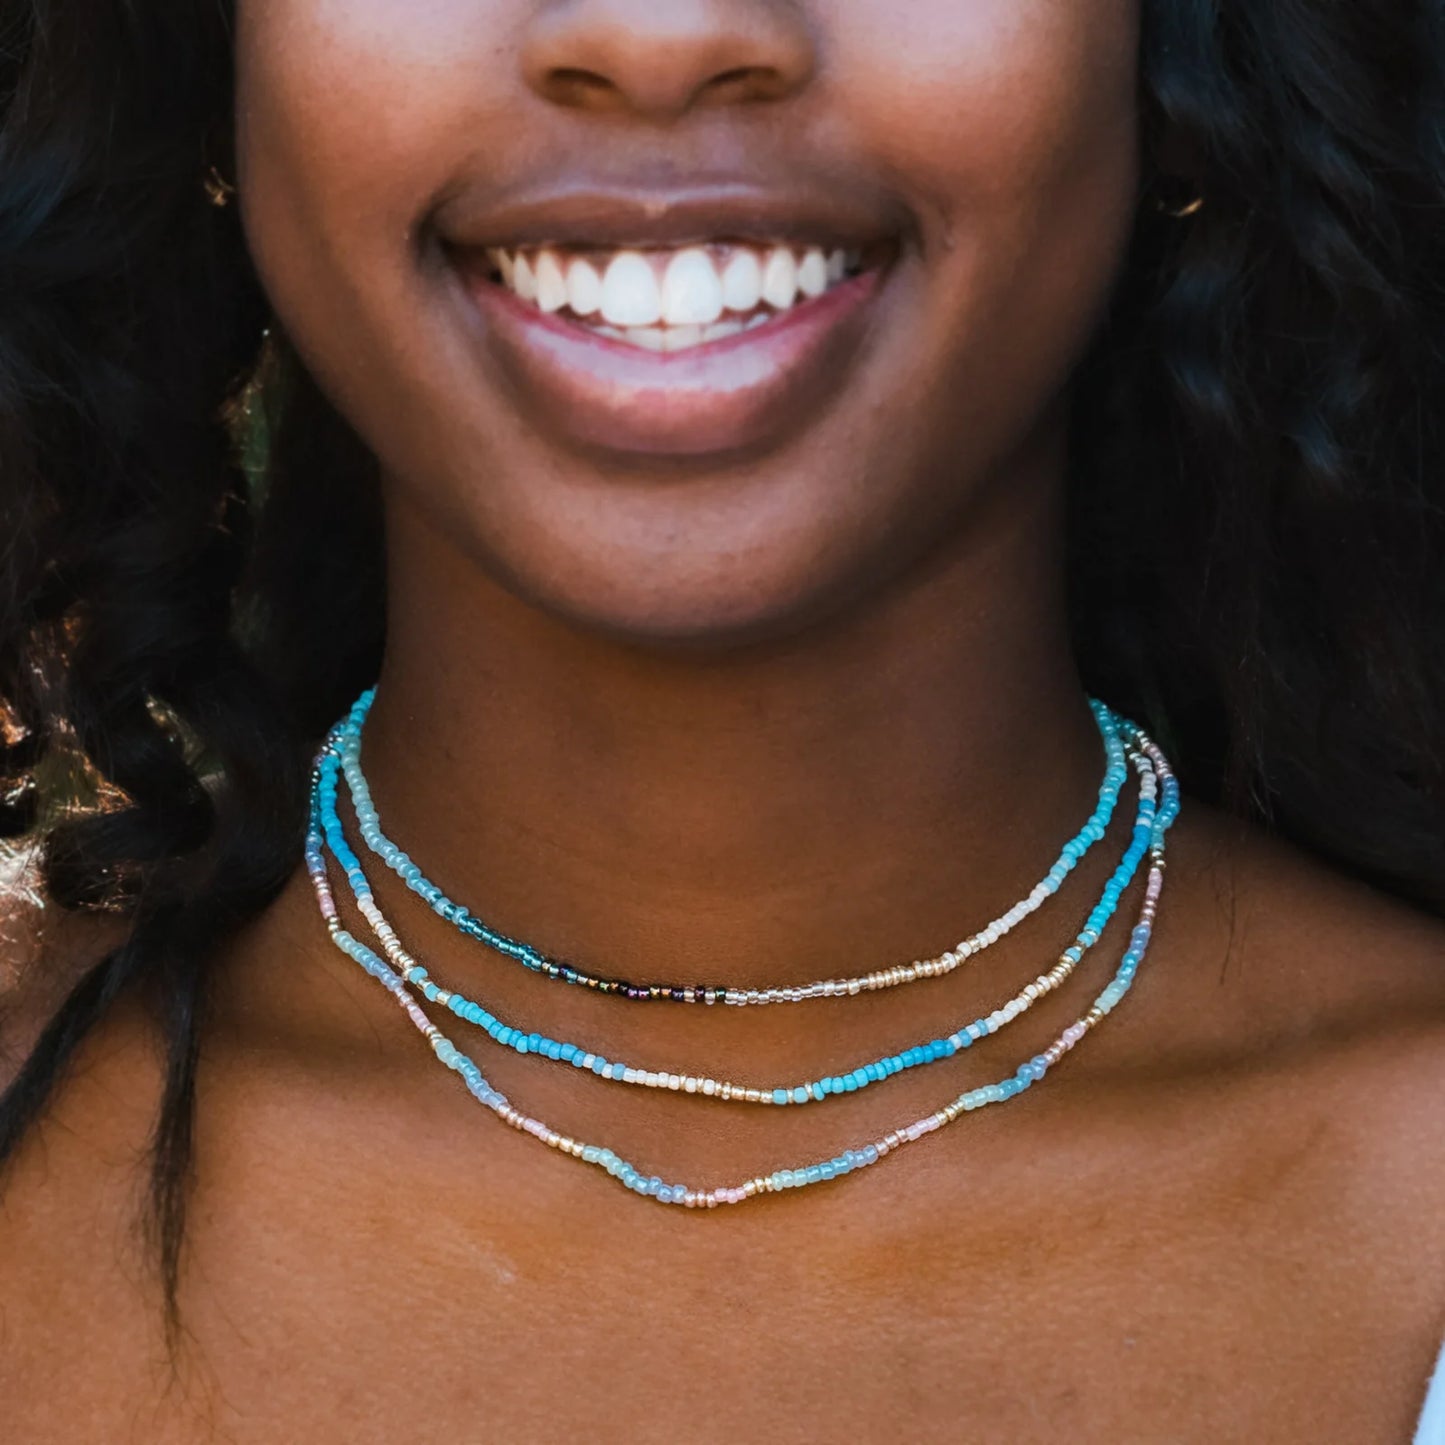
737	394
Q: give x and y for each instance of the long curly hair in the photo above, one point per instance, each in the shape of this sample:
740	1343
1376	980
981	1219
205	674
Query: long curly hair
1257	510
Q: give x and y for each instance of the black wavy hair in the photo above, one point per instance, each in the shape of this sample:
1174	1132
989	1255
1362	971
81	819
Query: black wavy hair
1257	521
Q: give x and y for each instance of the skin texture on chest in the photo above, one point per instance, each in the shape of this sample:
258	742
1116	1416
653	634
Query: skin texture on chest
361	1270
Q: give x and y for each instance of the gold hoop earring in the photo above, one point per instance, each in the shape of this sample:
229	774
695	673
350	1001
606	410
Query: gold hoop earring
1180	213
217	188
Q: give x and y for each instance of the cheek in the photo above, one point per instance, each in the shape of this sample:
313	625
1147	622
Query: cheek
994	99
351	115
1013	125
376	74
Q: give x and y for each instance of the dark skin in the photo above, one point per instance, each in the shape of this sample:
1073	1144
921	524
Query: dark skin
758	716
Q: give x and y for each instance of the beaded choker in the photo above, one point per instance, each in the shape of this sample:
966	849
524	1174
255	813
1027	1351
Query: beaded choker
410	983
345	742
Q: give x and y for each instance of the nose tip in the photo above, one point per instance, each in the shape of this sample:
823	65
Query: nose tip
664	58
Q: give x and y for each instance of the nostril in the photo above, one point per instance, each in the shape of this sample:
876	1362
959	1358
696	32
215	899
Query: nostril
571	85
747	82
661	57
571	75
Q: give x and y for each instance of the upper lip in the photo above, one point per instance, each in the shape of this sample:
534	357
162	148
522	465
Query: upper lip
640	217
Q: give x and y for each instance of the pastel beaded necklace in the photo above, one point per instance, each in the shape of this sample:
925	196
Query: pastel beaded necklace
1158	807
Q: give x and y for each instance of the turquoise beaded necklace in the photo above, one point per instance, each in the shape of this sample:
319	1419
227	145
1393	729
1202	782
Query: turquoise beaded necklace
1158	808
850	1081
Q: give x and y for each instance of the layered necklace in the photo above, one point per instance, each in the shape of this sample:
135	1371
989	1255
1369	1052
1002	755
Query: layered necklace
385	958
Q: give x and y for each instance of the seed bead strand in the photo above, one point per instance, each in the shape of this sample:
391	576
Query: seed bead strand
850	1160
849	1081
348	738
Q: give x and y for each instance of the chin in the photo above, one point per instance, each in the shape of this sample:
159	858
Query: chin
691	604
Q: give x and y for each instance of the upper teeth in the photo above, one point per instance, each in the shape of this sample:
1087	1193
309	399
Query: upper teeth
693	287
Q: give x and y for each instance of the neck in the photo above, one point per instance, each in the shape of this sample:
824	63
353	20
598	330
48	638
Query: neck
869	788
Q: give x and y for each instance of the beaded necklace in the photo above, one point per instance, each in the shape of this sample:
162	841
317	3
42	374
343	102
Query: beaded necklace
850	1081
1158	808
345	741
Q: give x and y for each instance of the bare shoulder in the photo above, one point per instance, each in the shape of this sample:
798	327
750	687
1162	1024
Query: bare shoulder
72	1193
1322	1001
1322	958
78	1277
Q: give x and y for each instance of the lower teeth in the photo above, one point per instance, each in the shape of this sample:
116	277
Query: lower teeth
676	338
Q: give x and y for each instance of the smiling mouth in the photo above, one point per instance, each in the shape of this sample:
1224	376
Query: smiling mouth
673	299
694	325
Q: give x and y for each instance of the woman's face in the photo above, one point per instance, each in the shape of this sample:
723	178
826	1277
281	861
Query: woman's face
692	319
